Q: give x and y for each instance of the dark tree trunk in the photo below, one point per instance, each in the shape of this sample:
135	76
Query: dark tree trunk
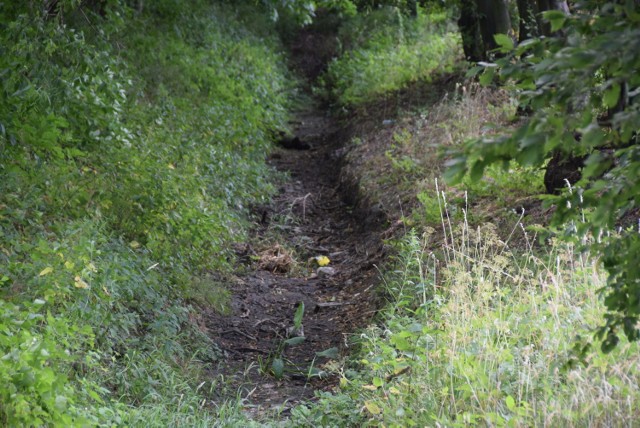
479	21
562	170
494	19
412	5
543	5
528	26
469	24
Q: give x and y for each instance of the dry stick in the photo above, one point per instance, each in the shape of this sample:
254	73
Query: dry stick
264	321
304	205
240	332
333	304
506	243
446	211
444	228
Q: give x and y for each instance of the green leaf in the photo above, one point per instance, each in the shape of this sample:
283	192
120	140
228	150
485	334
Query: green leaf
474	71
295	340
277	366
372	407
556	18
504	41
511	403
611	95
477	170
455	169
487	77
332	353
400	342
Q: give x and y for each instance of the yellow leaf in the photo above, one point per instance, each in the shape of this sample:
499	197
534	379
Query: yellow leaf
322	260
394	390
369	387
134	244
80	283
401	369
372	407
69	265
46	271
171	166
92	267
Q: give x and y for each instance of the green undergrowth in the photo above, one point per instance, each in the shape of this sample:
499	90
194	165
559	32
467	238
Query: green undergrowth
487	324
131	145
385	51
480	334
398	162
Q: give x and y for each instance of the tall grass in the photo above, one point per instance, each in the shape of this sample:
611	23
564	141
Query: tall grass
480	334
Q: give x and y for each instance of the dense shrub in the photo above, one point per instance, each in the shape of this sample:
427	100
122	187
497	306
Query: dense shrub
131	144
385	51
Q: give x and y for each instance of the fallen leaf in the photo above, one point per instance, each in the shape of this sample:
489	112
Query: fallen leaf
46	271
322	260
80	283
372	407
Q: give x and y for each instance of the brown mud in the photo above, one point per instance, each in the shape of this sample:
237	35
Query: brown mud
315	215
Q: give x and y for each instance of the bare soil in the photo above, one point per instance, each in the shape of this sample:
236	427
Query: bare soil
313	220
315	213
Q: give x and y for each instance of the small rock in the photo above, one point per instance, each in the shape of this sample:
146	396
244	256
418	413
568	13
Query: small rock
325	271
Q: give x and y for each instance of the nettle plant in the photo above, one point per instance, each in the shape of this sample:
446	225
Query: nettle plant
580	91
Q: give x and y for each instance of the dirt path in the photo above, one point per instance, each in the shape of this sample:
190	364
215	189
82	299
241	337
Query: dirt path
313	219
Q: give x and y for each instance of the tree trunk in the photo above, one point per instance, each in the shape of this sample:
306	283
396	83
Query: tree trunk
543	5
412	5
562	170
469	24
494	19
528	14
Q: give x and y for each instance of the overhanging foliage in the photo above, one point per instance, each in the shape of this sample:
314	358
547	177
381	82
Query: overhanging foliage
581	88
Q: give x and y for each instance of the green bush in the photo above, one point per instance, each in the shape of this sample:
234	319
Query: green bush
386	51
131	145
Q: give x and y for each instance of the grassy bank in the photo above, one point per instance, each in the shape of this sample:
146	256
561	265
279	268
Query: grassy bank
484	335
132	144
486	316
385	51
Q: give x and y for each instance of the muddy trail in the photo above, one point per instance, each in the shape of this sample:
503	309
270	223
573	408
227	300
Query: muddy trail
313	215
